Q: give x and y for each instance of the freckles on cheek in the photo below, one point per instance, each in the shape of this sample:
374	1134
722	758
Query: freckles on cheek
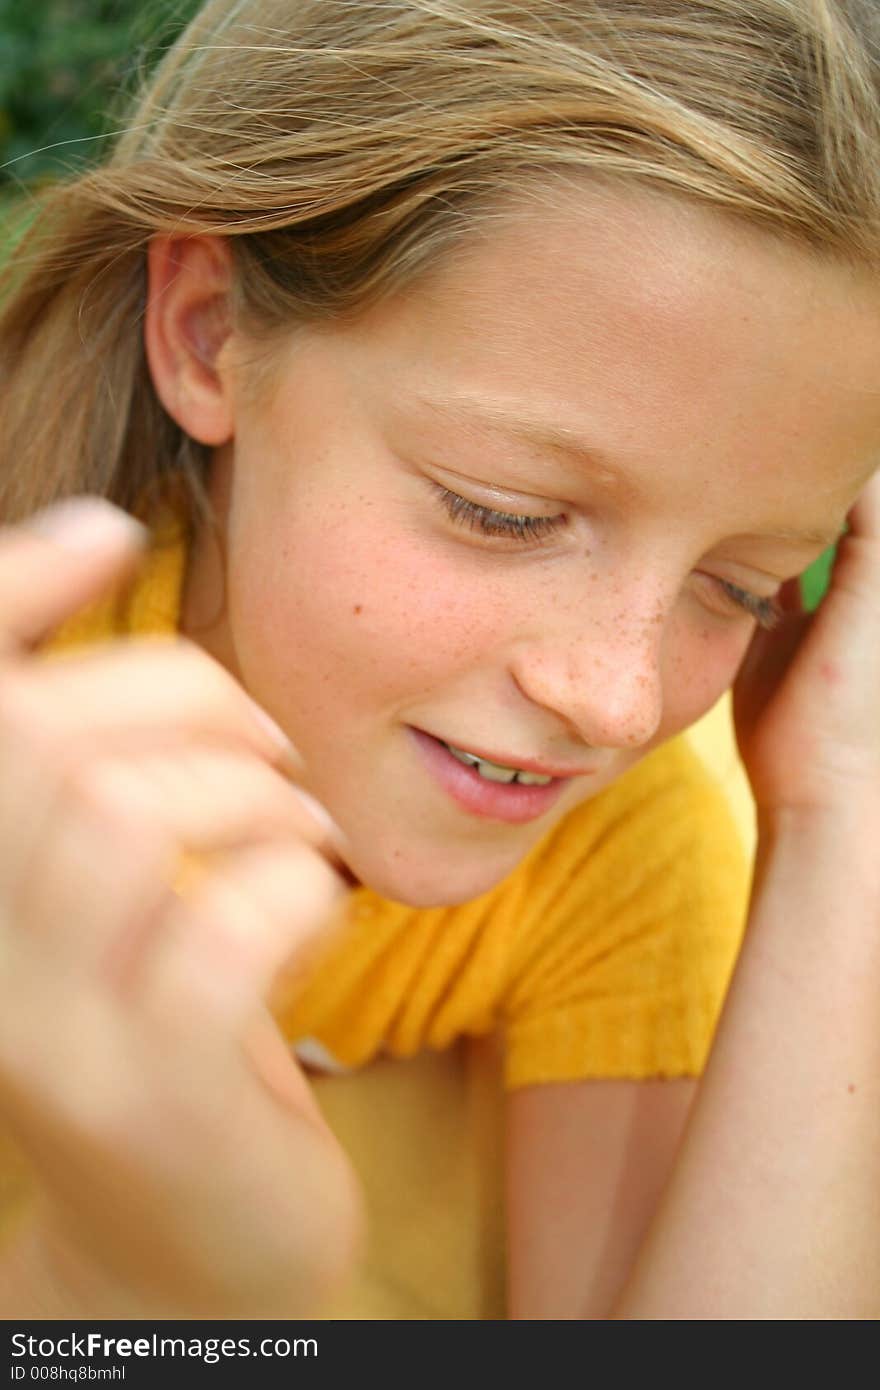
700	669
417	601
387	606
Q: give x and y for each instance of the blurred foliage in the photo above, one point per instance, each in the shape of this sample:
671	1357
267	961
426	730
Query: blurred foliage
65	67
814	583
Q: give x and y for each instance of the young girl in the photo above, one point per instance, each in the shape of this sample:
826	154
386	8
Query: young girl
485	375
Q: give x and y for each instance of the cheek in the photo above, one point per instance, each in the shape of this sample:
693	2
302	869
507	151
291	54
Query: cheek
393	613
701	663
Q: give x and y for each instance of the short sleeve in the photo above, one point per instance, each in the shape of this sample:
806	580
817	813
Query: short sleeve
634	923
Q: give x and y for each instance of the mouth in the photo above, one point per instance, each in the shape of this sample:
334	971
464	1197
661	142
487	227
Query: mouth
484	788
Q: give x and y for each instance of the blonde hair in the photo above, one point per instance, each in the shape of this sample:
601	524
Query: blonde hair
345	145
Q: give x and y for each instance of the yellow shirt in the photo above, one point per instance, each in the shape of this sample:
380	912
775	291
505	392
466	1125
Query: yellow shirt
606	953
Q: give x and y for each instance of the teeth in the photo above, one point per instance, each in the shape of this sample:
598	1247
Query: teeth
495	772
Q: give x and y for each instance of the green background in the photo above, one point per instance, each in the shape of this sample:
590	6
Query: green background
815	582
66	67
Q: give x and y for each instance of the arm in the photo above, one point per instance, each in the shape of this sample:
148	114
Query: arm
774	1206
587	1161
770	1205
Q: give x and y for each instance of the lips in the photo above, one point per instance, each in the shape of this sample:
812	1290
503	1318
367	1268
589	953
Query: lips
511	802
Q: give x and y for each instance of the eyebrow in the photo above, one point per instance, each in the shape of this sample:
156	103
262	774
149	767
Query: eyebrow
545	434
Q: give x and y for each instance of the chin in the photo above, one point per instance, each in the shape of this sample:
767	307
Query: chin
431	881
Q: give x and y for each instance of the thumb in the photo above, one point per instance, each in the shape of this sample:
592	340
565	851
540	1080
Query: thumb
58	561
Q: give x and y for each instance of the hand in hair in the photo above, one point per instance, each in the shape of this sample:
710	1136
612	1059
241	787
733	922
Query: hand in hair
183	1167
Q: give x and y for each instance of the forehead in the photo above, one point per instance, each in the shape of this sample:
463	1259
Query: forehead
674	336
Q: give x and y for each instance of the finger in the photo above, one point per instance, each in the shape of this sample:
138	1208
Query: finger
151	689
30	788
864	518
765	664
51	736
97	885
211	800
207	801
855	574
59	561
221	947
790	599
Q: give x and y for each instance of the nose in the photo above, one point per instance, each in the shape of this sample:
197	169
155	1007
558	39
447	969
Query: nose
603	678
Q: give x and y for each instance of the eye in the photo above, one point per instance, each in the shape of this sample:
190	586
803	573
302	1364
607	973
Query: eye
767	612
493	523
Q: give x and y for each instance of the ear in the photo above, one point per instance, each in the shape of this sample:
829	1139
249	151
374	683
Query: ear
187	326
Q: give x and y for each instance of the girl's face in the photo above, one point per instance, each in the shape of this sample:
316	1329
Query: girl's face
525	508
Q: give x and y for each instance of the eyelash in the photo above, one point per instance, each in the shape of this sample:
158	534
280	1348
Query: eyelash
766	611
492	523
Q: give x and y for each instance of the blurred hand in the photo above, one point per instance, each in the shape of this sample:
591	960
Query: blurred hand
183	1165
